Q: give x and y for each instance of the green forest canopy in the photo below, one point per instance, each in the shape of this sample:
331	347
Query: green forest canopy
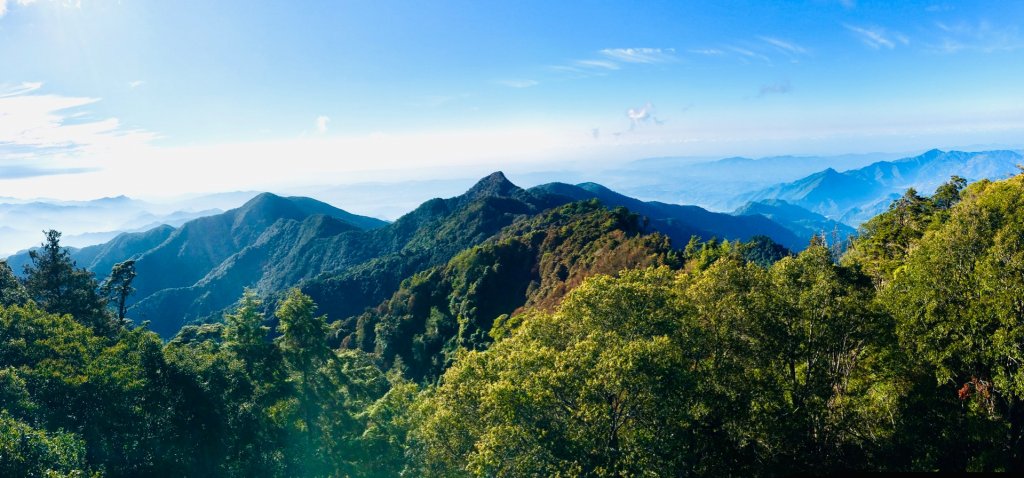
722	358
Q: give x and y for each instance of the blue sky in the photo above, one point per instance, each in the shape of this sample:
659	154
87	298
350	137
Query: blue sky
104	97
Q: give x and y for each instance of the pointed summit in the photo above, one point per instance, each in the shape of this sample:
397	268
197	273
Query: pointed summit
494	184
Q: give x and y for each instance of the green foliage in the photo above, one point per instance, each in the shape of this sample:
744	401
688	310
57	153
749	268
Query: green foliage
731	368
959	306
55	283
118	286
885	240
29	452
12	292
531	264
571	343
576	393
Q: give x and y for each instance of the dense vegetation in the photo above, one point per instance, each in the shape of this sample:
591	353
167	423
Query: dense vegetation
574	342
347	262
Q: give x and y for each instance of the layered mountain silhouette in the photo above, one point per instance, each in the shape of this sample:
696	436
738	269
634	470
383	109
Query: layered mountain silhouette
856	195
348	262
801	222
682	222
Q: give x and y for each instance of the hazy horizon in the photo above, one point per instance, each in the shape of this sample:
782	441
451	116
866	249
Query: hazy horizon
149	99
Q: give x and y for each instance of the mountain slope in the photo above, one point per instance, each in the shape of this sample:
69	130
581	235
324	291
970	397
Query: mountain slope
198	247
801	222
682	222
854	196
356	268
531	263
346	263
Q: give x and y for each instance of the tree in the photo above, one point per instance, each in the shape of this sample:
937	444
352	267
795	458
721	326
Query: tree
820	345
56	284
959	306
948	194
303	343
118	286
603	387
27	451
885	239
12	292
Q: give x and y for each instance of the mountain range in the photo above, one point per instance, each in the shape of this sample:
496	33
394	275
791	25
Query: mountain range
714	184
86	223
856	195
349	262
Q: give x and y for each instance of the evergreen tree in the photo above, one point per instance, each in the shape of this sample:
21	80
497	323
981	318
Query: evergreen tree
12	292
118	286
57	285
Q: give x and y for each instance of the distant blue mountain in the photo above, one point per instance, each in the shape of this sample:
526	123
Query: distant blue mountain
715	184
856	195
805	224
681	222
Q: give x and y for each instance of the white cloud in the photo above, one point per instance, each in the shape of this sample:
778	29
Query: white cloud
15	90
744	52
615	59
136	83
640	55
708	52
321	123
55	130
786	46
981	36
518	83
642	115
3	5
607	65
877	37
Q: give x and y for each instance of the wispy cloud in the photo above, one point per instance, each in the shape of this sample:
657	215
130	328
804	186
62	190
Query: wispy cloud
749	54
766	49
981	36
19	89
136	83
321	123
3	5
640	55
600	64
20	171
518	83
53	127
877	37
775	89
611	59
707	51
785	46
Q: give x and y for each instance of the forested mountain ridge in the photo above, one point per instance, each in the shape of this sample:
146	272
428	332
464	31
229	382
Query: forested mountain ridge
572	342
347	262
679	222
532	263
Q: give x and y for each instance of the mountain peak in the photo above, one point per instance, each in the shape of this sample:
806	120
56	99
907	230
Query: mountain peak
494	184
262	197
